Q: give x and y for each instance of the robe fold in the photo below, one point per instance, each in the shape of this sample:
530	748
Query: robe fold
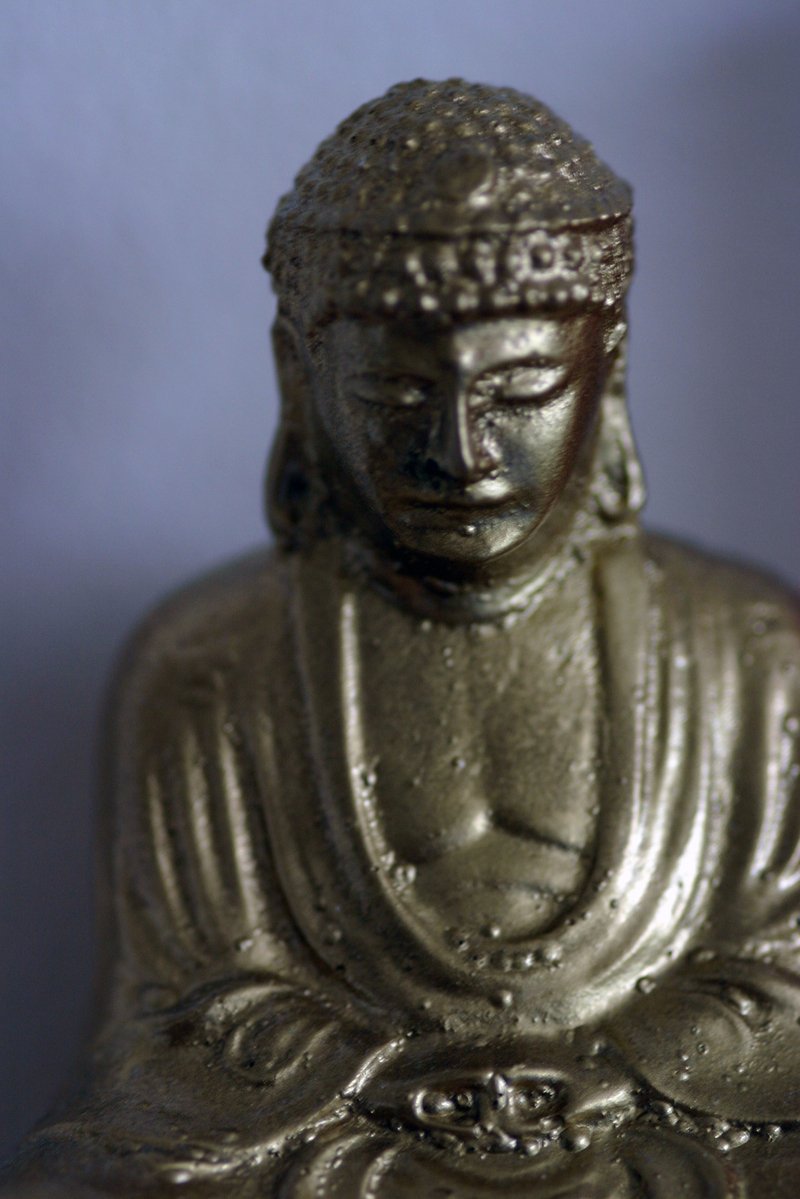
266	973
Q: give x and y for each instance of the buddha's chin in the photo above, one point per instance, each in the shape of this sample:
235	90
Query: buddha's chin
468	539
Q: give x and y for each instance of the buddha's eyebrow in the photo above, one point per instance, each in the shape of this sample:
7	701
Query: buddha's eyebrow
383	373
531	361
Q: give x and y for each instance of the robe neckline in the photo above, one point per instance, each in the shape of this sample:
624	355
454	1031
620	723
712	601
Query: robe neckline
643	895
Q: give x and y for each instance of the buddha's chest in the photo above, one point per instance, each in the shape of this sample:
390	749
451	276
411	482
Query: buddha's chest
481	748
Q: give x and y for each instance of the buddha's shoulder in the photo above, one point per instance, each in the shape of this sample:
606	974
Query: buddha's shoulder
730	592
207	629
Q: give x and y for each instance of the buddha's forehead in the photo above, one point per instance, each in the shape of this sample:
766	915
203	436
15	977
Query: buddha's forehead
356	344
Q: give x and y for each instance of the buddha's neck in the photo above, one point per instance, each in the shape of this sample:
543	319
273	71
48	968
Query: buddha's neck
483	597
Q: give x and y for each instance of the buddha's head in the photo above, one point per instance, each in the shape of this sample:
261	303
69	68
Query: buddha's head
451	268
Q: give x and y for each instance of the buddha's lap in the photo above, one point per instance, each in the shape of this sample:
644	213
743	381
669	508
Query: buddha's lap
643	1164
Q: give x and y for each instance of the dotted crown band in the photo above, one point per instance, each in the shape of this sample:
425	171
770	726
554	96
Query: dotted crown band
448	277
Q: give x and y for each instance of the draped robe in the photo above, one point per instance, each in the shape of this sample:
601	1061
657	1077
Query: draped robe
266	979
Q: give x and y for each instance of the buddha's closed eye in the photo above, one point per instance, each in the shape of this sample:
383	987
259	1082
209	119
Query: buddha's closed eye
393	391
524	382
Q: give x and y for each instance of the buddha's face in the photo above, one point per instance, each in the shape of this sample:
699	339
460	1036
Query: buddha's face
459	441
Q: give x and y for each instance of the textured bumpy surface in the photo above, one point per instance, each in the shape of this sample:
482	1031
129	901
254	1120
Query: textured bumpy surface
389	168
453	846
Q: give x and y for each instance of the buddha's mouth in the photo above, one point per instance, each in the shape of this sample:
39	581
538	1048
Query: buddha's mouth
464	506
488	494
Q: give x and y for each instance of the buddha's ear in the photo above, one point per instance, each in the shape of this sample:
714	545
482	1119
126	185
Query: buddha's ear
291	473
618	484
614	335
292	366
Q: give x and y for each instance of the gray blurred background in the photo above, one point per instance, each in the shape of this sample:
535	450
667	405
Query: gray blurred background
144	144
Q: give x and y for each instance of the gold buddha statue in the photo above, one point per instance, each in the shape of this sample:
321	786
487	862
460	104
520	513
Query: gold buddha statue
453	845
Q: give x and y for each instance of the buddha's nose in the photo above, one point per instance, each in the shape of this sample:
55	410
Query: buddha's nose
457	448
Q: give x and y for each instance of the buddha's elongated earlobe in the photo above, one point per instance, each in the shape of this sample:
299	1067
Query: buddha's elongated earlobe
618	485
290	482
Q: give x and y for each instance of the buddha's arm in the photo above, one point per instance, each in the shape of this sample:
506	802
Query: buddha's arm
720	1038
720	1032
218	1037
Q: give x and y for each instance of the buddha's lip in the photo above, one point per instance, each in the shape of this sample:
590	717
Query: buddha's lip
459	501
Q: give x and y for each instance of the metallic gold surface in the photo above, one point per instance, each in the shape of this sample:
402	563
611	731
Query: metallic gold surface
453	847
